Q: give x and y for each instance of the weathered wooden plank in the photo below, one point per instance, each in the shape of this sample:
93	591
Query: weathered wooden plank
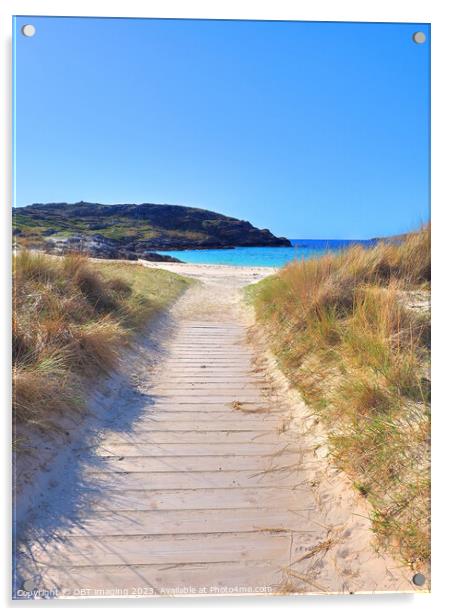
208	398
213	410
195	436
119	523
279	498
190	449
208	394
209	372
216	349
190	463
208	354
235	364
194	480
206	413
253	423
165	549
251	577
241	381
206	389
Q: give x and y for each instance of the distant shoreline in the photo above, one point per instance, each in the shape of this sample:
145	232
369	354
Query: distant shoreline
262	256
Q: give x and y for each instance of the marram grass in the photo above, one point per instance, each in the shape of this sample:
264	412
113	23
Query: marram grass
71	318
348	335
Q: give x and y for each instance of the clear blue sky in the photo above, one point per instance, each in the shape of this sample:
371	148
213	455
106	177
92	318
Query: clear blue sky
314	130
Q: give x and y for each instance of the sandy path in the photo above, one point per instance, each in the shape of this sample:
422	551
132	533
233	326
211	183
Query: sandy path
213	487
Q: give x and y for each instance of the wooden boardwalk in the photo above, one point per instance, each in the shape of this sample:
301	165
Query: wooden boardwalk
203	492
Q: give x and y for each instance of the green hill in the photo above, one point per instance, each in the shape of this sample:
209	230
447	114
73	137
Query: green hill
134	229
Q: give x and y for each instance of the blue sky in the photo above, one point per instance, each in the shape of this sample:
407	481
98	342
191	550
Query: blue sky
314	130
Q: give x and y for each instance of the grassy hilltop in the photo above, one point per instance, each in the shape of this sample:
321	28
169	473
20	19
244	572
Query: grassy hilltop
352	332
134	229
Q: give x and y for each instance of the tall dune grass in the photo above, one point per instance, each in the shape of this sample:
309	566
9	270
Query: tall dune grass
71	317
347	335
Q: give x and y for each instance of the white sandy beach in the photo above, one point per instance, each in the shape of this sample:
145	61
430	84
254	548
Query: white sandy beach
224	275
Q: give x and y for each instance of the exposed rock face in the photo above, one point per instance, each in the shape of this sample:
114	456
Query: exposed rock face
108	230
95	246
100	248
155	256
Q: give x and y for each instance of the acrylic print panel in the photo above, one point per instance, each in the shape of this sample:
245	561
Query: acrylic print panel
221	284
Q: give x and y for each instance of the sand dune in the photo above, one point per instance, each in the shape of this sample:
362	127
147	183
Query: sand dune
210	474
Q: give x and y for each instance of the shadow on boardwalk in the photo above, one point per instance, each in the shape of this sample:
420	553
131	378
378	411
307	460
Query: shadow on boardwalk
60	493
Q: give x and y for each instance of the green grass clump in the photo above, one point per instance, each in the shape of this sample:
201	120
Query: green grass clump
71	317
345	334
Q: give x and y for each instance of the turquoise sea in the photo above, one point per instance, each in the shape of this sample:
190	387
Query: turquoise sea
264	256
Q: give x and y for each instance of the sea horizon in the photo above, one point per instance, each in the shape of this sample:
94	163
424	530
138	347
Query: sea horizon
263	256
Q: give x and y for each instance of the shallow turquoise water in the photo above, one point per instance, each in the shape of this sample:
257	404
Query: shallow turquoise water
263	256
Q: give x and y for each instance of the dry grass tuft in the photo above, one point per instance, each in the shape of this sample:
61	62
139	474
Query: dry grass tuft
347	338
71	317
